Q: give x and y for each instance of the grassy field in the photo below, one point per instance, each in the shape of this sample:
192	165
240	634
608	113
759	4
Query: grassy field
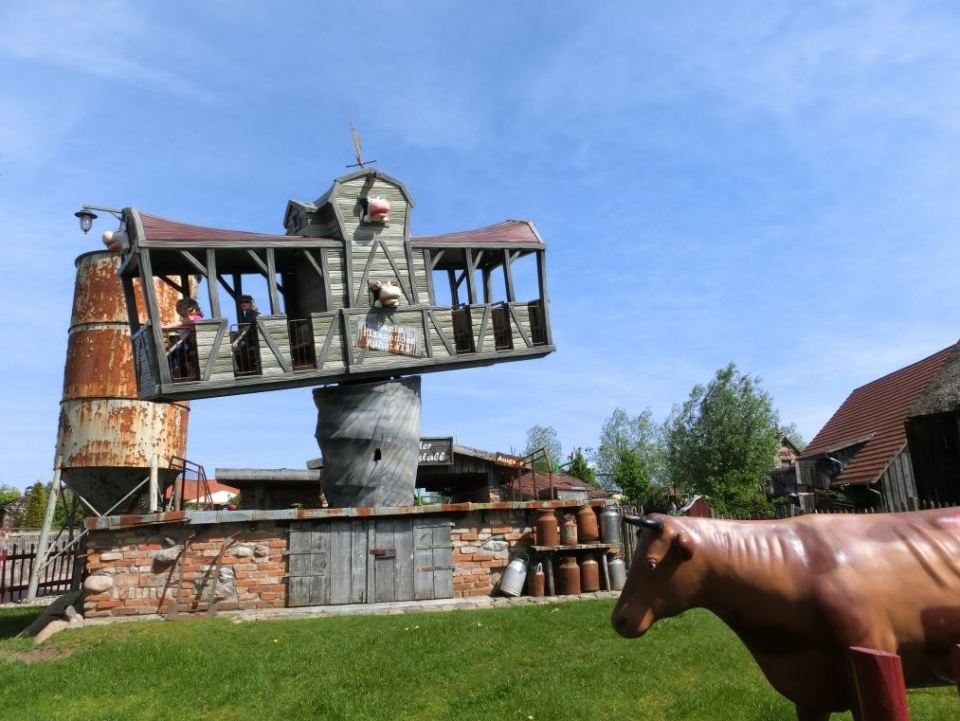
544	663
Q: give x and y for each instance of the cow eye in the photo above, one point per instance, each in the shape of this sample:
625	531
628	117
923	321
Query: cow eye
651	565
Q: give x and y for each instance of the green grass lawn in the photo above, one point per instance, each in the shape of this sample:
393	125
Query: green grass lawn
550	663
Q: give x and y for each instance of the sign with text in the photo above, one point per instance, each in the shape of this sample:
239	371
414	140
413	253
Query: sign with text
505	459
397	339
436	452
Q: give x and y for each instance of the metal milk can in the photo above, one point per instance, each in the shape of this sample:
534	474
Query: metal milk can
618	573
589	576
610	526
536	582
511	583
548	533
587	524
568	531
568	576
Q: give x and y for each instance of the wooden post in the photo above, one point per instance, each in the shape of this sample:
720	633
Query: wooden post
881	693
154	484
44	535
955	658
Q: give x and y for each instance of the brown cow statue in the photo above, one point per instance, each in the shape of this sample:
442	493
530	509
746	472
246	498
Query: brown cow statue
800	592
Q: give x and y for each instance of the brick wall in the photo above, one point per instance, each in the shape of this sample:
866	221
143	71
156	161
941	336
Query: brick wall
135	571
482	544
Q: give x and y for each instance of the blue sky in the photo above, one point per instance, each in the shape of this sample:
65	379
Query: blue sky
767	183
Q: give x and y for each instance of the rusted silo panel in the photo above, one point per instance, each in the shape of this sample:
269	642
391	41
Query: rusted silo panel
107	438
117	432
99	363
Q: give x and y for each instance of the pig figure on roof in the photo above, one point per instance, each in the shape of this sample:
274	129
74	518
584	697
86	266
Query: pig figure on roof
386	294
375	210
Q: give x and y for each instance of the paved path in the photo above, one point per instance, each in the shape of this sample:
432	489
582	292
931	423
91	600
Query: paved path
373	609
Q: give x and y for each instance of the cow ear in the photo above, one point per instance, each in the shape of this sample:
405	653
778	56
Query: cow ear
684	545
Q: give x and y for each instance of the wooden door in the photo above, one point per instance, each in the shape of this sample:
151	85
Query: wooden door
369	561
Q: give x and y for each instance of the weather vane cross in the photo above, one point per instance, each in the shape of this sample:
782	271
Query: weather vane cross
357	150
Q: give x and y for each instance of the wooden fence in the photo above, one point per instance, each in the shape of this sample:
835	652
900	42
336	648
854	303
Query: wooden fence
17	558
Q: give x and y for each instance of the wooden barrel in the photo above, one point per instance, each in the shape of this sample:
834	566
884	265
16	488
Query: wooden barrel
369	435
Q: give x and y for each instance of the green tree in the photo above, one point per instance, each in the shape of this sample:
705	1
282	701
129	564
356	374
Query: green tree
8	494
720	442
639	435
631	475
544	437
792	434
36	506
579	468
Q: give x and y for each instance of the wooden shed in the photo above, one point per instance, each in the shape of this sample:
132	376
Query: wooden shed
898	436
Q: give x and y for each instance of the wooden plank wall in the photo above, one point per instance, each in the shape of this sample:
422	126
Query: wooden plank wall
274	327
326	334
208	345
899	487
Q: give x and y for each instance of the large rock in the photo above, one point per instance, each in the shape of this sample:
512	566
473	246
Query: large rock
98	583
54	611
51	628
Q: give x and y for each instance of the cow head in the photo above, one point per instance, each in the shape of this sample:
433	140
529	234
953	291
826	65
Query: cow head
374	210
386	294
662	580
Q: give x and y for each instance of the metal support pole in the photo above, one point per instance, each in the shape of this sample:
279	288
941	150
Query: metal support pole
154	485
44	535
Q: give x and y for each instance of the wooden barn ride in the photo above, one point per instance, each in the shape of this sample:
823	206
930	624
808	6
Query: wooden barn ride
352	296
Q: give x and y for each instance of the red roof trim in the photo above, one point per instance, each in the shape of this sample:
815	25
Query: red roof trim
509	232
156	228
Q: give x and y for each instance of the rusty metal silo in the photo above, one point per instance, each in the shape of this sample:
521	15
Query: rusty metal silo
107	438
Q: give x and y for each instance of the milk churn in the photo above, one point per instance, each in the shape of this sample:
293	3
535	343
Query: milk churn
589	575
610	526
568	531
568	576
548	533
536	581
511	583
618	572
587	525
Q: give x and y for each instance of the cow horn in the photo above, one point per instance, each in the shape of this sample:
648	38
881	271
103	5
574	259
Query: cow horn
644	522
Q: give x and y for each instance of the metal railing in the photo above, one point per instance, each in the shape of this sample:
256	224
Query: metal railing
246	349
187	472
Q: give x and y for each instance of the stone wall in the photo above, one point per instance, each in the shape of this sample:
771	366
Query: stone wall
135	571
482	544
132	561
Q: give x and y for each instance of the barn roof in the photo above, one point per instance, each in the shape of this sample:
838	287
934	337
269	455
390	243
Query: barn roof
531	486
155	229
874	415
509	232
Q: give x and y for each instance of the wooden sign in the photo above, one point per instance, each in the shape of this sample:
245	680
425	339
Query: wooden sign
436	452
396	339
504	459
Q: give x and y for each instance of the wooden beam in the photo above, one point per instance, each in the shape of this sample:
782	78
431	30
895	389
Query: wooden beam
487	286
363	278
431	296
181	289
471	267
544	295
424	322
256	259
272	283
443	339
454	287
131	301
433	260
189	257
226	286
212	293
325	269
153	313
516	321
508	276
408	292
